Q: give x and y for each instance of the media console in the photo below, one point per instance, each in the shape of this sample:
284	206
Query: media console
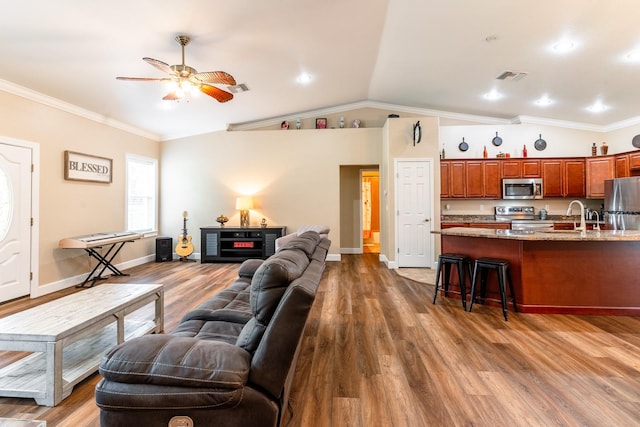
227	244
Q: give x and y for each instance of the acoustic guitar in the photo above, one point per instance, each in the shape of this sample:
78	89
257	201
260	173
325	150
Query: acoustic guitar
184	248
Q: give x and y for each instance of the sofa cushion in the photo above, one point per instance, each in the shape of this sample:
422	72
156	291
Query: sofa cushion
213	330
268	285
231	304
306	242
177	361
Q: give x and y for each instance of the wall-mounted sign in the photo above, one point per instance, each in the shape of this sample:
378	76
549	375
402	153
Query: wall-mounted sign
83	167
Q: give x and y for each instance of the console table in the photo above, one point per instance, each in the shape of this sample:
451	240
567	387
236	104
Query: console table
227	244
67	337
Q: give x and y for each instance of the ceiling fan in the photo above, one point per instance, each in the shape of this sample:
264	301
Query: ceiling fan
185	79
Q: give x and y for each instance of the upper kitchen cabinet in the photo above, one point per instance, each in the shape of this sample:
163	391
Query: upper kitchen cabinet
531	169
483	179
445	173
563	177
520	168
512	168
457	179
622	165
598	170
471	179
634	163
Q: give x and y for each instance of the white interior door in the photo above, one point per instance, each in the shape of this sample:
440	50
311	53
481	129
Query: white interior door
15	221
414	211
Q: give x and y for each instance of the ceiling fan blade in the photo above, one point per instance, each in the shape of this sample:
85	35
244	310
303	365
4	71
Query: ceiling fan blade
216	77
219	94
164	67
145	79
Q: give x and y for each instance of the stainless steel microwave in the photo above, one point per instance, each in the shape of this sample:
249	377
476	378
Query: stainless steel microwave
522	188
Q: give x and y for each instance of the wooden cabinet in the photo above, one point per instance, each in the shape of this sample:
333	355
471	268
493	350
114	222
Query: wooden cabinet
598	170
531	169
521	168
445	171
474	179
511	168
227	244
492	179
634	162
457	179
563	178
577	177
574	175
552	185
622	166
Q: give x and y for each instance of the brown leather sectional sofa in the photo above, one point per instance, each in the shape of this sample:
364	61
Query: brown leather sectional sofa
231	360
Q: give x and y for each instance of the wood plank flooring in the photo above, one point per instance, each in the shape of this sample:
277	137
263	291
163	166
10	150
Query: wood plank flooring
377	352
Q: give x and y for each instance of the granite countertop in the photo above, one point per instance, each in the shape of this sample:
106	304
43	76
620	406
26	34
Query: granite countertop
448	219
558	235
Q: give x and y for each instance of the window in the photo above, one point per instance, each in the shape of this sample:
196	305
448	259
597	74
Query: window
142	194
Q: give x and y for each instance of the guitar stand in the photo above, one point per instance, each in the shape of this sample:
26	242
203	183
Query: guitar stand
105	260
185	259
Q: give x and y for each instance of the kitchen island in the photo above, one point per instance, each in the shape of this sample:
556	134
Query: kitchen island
559	271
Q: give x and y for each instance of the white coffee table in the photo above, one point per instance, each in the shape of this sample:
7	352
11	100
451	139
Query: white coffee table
67	337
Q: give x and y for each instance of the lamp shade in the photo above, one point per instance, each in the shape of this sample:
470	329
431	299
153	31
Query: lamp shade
244	203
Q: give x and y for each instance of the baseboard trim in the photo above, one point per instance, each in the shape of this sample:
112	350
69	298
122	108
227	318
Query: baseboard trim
76	280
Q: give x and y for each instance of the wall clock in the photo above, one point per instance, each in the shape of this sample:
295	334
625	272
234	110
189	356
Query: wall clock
417	133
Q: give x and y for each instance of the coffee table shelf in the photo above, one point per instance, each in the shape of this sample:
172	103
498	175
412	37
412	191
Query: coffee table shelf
68	337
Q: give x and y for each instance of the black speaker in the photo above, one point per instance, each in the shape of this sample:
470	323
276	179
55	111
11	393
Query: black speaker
164	249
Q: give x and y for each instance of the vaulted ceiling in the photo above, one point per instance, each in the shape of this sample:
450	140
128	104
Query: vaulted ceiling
442	55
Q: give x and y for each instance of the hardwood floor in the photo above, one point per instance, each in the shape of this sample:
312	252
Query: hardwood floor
377	352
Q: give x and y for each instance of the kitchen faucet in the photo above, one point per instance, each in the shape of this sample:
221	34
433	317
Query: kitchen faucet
597	224
583	226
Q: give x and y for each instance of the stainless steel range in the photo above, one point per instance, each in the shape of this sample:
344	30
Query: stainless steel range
522	218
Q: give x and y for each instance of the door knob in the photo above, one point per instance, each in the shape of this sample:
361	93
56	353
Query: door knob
427	220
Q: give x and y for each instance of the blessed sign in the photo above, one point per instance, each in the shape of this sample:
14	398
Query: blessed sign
83	167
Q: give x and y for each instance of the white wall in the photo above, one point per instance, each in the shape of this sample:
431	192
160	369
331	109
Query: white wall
294	176
73	208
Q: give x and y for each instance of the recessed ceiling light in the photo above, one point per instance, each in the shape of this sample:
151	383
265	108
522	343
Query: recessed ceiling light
563	46
597	107
633	56
304	78
543	101
493	95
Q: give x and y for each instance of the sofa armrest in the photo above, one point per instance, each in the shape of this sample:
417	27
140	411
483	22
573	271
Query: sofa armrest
281	241
177	361
249	267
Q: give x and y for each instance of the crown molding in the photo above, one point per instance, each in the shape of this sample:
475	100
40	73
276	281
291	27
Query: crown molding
49	101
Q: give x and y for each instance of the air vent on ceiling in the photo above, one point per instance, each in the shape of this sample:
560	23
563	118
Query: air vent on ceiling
512	75
238	88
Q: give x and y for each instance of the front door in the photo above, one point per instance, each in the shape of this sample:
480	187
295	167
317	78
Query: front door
15	221
414	210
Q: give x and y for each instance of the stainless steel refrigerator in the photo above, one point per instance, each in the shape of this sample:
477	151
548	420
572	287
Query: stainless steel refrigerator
622	203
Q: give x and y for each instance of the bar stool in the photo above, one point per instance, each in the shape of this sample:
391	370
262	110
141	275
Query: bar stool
446	261
503	268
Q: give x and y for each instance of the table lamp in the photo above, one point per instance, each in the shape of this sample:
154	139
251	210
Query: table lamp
243	204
